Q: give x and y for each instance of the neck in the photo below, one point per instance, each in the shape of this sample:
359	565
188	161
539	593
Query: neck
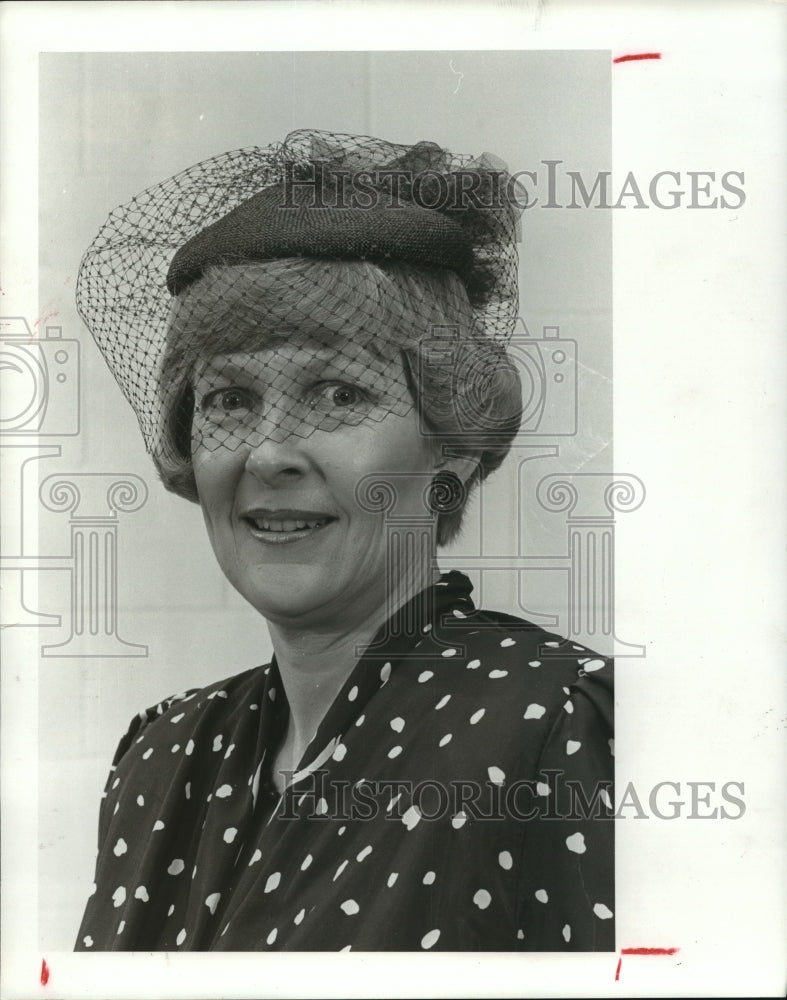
315	660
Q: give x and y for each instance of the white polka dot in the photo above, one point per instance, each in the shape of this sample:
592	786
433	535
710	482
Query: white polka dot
497	674
273	882
140	800
322	807
520	935
534	711
177	718
181	937
343	828
230	834
427	628
496	775
554	645
602	912
350	907
217	743
576	843
477	716
253	708
541	896
505	860
116	782
119	896
534	663
352	694
429	940
392	879
87	941
364	853
590	665
566	690
458	614
224	791
340	869
230	748
306	862
299	916
429	878
473	664
212	901
176	867
445	740
158	825
412	817
572	746
121	927
385	673
171	910
340	752
141	892
397	724
257	856
458	821
569	707
393	802
272	694
187	789
147	753
117	806
425	676
360	720
611	747
194	872
189	748
567	933
394	752
272	936
542	788
482	899
508	642
443	702
120	847
92	890
448	652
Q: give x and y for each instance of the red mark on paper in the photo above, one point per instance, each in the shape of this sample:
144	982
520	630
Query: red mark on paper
642	951
45	317
637	56
44	972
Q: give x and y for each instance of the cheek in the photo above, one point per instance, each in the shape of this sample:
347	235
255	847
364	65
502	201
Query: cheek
216	474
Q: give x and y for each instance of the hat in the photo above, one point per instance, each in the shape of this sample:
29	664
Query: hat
316	194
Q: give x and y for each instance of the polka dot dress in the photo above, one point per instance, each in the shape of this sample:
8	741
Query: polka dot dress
457	796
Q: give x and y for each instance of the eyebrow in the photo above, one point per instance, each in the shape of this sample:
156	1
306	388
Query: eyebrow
365	360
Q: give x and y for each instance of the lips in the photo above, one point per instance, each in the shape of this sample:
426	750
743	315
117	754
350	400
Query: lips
283	525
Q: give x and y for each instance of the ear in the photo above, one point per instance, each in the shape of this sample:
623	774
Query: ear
462	465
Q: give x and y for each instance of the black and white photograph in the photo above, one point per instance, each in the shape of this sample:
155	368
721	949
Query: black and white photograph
387	483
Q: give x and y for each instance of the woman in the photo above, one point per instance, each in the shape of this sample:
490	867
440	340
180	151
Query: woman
327	378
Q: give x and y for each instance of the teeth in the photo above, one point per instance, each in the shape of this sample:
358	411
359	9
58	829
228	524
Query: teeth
285	526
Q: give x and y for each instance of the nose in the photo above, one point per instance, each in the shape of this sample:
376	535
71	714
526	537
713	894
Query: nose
278	457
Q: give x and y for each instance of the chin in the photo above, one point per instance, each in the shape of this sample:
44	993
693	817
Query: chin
286	592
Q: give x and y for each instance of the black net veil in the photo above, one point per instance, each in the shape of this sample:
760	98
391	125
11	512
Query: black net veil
275	291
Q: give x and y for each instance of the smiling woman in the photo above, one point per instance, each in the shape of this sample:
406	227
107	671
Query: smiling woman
327	378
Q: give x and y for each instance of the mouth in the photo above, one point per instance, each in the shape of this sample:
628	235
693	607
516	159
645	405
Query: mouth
279	526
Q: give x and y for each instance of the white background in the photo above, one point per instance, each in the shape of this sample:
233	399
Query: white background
699	363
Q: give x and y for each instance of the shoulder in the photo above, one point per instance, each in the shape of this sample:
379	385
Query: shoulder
179	715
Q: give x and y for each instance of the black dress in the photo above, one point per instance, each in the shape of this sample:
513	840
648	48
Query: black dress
456	796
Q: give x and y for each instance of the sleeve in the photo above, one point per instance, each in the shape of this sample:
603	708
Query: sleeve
567	886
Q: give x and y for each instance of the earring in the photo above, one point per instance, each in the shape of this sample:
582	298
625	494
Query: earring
447	493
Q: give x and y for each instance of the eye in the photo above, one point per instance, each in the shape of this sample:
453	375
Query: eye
341	394
228	400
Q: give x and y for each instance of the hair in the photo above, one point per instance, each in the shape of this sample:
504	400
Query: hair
472	404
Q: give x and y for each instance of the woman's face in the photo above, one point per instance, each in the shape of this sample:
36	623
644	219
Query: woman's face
282	438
